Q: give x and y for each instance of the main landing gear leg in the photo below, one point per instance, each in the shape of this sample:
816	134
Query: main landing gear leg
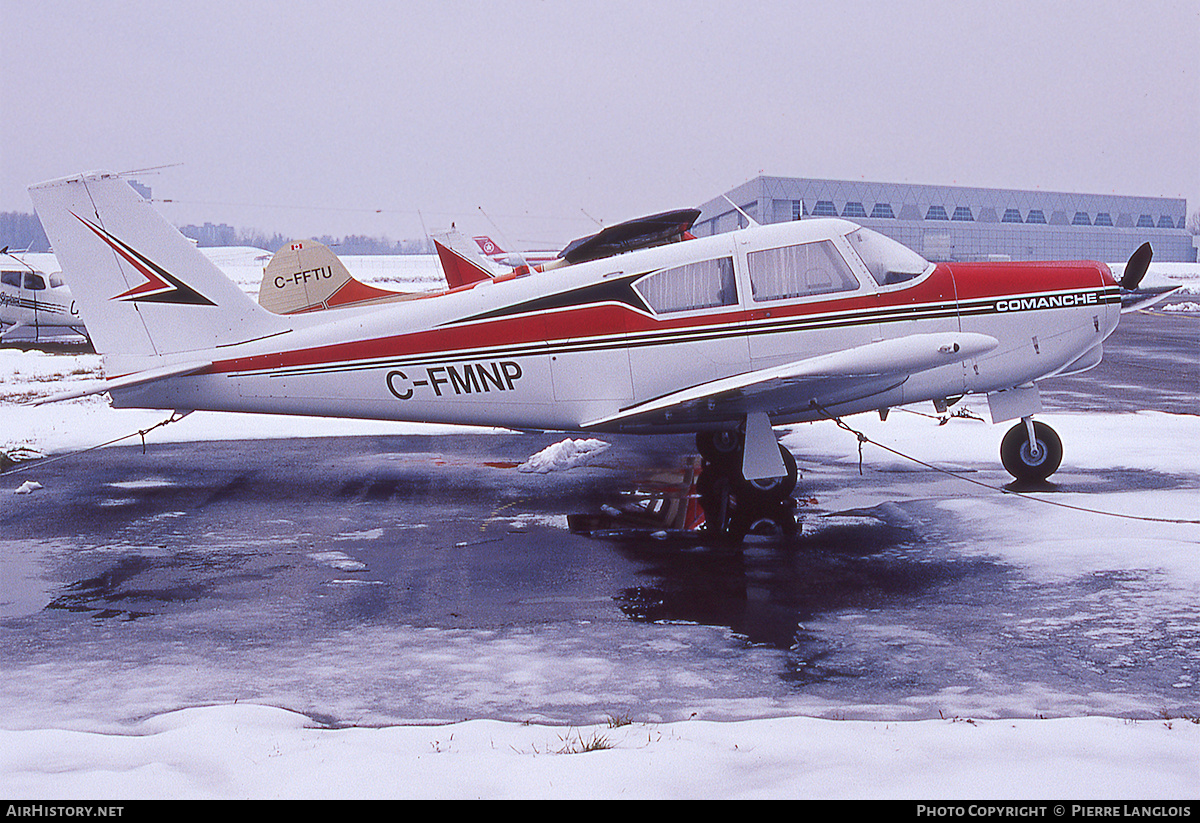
734	494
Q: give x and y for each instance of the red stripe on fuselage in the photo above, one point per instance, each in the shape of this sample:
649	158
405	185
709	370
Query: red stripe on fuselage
602	320
971	281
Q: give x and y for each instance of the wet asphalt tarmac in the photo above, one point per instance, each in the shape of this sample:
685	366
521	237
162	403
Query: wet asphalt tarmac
372	580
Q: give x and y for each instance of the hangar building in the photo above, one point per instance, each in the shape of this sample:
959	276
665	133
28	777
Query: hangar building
958	223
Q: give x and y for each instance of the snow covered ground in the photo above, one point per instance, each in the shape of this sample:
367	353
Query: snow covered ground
264	752
974	752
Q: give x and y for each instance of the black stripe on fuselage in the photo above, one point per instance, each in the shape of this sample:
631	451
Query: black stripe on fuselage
617	290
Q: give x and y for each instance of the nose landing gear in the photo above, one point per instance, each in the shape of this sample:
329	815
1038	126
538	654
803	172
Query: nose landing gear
1031	451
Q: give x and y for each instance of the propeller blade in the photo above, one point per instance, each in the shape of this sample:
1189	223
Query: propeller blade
1139	299
1135	269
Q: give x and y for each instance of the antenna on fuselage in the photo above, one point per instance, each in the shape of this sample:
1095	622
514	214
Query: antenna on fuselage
749	219
593	219
504	239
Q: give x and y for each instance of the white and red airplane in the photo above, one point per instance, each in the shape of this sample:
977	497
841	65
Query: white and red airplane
725	336
514	259
306	276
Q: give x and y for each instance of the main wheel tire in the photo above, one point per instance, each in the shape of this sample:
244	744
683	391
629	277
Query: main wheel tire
771	489
1021	462
721	448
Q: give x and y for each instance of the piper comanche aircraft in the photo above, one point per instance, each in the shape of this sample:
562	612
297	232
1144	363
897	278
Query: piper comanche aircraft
640	328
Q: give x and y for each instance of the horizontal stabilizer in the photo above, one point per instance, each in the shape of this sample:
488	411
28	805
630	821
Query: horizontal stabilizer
126	381
826	379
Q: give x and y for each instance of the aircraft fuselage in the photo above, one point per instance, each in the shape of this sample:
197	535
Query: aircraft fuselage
558	349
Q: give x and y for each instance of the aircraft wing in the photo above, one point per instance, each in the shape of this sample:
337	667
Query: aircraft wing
828	379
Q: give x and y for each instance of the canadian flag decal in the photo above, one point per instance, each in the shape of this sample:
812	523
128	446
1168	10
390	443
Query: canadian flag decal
160	287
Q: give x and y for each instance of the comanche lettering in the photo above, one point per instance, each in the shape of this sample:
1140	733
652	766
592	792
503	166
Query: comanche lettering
1056	301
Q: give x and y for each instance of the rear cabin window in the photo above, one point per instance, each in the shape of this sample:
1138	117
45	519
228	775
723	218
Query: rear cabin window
799	271
11	278
704	285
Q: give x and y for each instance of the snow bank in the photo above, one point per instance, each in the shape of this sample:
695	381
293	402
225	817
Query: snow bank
566	454
249	751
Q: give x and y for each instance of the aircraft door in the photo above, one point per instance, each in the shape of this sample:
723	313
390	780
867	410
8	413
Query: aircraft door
34	293
10	298
695	333
912	296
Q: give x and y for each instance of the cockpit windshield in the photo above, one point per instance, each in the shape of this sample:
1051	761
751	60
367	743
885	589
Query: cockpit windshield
888	261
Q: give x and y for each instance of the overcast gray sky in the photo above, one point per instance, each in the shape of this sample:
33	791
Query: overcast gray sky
383	117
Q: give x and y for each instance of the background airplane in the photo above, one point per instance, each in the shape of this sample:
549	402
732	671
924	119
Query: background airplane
306	275
35	304
532	257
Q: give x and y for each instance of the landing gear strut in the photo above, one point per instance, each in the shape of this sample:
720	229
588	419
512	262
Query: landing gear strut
1031	451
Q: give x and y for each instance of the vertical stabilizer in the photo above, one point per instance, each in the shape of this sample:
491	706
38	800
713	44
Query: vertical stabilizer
461	264
301	277
143	289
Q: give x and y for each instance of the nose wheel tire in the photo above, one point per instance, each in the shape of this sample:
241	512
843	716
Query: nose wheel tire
1031	462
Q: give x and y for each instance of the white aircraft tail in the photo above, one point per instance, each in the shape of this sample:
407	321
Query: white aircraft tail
143	289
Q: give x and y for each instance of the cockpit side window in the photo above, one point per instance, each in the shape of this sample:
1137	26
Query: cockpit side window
34	281
799	271
703	285
888	261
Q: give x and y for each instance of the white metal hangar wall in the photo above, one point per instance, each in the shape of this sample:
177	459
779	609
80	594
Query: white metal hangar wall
958	223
